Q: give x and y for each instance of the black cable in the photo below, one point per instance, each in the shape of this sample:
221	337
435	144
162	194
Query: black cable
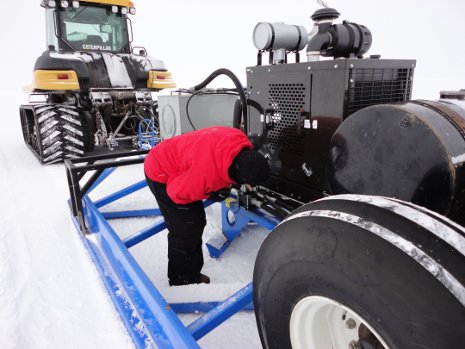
187	108
257	140
237	83
271	210
280	210
285	205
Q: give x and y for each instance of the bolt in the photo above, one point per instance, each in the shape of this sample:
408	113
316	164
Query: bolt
351	65
351	323
353	345
335	66
309	68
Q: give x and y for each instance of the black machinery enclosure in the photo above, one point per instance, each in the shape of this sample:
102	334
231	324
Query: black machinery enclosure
306	102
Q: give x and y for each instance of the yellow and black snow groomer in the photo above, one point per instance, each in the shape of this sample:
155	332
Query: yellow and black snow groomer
91	89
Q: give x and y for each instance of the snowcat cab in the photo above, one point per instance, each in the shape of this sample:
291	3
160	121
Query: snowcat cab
97	91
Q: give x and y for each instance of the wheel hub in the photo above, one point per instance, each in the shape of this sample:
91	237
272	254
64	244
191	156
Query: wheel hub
322	323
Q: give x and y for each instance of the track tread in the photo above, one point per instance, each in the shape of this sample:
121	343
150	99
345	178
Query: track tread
60	133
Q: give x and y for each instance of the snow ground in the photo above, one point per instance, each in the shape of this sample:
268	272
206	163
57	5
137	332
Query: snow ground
50	293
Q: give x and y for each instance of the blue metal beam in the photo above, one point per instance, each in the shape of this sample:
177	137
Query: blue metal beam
151	230
121	193
123	307
107	172
144	234
201	307
221	313
131	213
158	322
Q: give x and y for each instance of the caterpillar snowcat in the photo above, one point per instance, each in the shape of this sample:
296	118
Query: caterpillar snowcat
91	90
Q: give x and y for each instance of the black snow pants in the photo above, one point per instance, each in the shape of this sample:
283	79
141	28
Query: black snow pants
185	225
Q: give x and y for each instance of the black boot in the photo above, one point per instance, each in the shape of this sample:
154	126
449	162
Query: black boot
201	279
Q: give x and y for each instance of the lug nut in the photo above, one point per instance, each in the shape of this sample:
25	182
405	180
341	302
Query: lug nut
351	323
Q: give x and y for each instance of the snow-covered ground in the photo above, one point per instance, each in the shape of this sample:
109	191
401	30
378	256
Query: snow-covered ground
50	293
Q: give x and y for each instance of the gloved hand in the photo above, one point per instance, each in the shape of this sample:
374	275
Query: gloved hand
219	195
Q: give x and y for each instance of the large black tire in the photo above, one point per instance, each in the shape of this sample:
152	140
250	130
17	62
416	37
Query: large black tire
54	132
400	268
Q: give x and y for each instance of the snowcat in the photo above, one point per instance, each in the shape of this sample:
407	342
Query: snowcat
91	91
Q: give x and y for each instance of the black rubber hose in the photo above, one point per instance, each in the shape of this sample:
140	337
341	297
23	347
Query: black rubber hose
237	114
268	208
237	83
257	140
291	203
285	205
282	212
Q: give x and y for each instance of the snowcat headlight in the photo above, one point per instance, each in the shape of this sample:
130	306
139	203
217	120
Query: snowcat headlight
132	10
114	9
64	4
52	3
76	4
124	10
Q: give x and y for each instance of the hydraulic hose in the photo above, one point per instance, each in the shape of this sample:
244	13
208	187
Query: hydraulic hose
284	205
257	140
237	83
281	211
269	209
237	114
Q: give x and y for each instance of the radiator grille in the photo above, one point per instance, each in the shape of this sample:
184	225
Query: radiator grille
375	86
287	100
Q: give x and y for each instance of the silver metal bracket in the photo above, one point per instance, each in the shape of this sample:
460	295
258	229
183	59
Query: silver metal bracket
307	170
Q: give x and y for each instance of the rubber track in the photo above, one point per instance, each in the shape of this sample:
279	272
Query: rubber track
60	133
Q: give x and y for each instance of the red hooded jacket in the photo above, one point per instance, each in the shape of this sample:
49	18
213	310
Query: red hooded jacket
196	163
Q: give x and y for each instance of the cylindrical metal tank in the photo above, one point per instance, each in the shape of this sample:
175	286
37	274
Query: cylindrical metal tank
275	36
414	151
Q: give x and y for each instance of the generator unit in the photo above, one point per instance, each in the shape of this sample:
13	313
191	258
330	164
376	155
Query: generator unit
346	124
304	104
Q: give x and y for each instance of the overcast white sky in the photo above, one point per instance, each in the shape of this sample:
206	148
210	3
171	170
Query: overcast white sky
194	38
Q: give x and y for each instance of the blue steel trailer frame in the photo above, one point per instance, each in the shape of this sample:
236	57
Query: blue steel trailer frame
149	319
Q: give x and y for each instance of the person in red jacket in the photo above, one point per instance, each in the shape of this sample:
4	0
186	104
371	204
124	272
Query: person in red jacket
184	170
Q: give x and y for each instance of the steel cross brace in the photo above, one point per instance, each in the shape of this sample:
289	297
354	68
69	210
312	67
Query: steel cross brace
235	219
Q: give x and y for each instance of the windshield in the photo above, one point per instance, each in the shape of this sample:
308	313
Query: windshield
90	28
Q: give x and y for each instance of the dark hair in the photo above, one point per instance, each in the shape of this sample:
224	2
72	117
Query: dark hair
249	167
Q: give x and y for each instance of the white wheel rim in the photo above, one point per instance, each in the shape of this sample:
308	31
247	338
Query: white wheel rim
322	323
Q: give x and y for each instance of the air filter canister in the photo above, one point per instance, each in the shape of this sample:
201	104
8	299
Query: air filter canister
413	151
274	36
